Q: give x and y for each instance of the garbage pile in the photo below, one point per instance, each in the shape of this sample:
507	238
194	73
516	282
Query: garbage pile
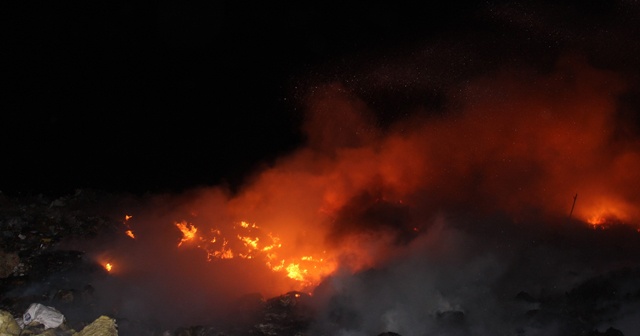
43	320
42	294
33	270
47	290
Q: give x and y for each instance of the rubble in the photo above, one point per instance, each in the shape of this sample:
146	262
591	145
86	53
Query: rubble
287	314
103	326
8	325
9	263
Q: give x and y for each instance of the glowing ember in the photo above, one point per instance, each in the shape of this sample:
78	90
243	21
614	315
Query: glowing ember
129	231
108	267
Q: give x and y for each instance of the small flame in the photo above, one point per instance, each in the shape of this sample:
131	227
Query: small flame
108	267
129	231
188	231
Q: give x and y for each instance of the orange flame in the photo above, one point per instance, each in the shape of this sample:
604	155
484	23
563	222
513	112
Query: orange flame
108	267
129	231
188	231
252	243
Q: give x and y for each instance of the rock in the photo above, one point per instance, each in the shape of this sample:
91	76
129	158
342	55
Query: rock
8	325
102	326
8	263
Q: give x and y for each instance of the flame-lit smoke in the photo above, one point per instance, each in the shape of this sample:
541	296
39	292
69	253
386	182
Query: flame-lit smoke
520	144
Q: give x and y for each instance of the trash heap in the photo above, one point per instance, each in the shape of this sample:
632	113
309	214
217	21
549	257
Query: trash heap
43	320
40	287
32	227
38	295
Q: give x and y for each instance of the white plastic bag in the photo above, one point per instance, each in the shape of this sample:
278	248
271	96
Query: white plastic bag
48	316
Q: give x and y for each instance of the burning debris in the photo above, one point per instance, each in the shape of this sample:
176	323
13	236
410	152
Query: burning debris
70	282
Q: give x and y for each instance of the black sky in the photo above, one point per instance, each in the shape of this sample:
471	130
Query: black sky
165	96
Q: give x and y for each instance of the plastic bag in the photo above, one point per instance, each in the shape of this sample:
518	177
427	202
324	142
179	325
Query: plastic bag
48	316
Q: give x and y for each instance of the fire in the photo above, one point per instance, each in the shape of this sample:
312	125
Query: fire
603	211
129	231
596	221
188	231
295	273
248	241
108	267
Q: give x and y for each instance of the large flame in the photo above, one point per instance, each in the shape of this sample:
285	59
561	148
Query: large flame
248	241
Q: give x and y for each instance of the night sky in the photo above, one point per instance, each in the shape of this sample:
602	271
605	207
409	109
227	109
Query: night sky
135	97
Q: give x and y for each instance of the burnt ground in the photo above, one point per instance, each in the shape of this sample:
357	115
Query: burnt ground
35	269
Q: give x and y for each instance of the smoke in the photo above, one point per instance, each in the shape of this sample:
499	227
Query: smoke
504	167
427	222
435	183
431	223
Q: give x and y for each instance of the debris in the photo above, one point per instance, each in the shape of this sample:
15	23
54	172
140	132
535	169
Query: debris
8	325
48	316
102	326
8	263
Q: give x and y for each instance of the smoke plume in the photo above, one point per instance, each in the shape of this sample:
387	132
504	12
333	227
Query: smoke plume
430	223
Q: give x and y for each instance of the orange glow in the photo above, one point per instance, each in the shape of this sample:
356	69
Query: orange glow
108	267
601	210
130	234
